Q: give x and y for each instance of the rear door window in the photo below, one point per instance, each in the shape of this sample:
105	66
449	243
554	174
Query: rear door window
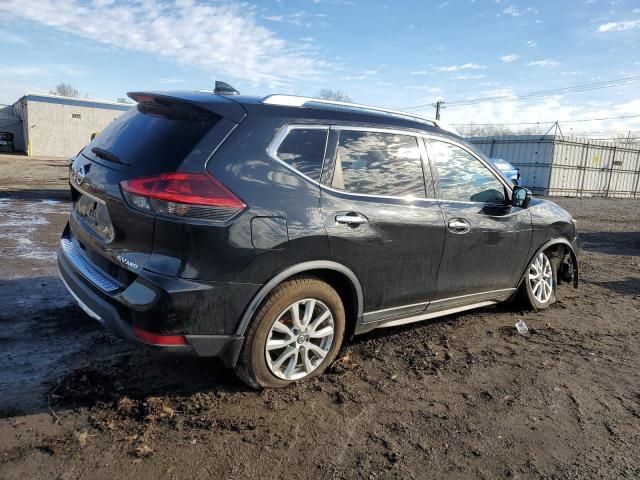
303	149
376	163
162	135
462	177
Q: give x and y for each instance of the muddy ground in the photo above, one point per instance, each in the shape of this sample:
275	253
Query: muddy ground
461	397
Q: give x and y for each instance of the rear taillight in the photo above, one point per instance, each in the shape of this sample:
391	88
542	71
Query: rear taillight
197	196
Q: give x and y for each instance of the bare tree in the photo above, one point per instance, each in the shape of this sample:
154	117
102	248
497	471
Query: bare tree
627	139
472	130
336	95
65	90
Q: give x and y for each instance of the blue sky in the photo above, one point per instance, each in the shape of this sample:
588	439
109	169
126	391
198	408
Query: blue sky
390	53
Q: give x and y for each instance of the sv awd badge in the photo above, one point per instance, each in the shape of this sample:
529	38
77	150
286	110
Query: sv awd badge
127	262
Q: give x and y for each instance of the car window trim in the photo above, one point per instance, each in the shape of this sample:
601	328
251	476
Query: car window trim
425	159
436	175
340	128
272	149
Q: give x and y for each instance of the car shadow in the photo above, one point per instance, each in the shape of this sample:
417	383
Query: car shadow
62	194
54	355
611	243
444	320
629	286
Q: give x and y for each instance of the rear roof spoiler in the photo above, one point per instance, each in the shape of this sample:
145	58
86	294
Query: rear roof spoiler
204	100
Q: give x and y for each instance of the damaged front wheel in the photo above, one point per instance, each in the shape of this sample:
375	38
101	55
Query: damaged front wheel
539	286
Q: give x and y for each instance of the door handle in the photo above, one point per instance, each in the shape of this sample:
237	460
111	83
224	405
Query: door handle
351	219
459	225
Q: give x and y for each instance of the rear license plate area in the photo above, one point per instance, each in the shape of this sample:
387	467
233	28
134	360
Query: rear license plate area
93	214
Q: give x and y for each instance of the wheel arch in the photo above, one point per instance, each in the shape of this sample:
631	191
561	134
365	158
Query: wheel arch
551	243
324	269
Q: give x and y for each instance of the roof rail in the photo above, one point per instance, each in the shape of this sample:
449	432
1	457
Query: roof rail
297	101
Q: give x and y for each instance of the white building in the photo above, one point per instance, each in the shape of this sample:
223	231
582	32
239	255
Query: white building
56	126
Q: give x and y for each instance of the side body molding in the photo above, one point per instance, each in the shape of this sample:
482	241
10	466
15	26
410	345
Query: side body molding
290	272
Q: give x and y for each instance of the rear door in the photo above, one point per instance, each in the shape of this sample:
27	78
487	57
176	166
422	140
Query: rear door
381	218
487	240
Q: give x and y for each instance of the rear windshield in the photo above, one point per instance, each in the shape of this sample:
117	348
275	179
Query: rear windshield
161	135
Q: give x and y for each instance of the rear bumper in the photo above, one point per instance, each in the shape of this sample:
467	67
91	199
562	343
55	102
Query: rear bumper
110	311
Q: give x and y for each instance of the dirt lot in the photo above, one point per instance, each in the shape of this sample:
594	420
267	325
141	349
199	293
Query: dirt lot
465	396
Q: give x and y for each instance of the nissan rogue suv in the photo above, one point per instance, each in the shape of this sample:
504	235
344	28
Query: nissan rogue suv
264	231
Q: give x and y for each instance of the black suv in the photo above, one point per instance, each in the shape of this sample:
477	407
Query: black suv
264	230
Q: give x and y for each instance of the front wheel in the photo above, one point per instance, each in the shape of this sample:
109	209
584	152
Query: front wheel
294	336
539	286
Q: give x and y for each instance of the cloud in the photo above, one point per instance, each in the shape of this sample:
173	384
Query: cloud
469	77
8	37
221	39
44	70
547	62
516	12
531	44
425	88
561	108
23	71
300	18
419	72
456	68
510	58
274	18
619	26
366	74
171	80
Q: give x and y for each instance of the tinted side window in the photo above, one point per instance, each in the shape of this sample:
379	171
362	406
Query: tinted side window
303	149
462	177
378	164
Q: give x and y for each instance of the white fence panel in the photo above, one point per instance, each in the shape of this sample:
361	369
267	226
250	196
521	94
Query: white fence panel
552	165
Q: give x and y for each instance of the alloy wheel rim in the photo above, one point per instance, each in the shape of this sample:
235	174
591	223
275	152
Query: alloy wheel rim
541	278
300	339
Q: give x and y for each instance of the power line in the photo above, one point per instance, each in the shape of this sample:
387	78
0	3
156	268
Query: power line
548	121
536	94
545	93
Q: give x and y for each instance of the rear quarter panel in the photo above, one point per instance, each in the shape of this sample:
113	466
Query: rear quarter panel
282	199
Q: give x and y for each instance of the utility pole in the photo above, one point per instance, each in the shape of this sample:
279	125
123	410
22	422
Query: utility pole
439	105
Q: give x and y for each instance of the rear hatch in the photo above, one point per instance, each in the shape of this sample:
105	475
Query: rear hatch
155	137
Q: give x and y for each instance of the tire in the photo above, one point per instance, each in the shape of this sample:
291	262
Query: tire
538	290
300	348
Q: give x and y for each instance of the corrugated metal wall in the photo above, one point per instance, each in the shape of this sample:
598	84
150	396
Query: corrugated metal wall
533	155
552	165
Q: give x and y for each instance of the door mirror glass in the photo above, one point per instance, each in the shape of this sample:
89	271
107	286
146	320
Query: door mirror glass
520	197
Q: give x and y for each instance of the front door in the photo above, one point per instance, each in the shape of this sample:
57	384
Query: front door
487	240
380	221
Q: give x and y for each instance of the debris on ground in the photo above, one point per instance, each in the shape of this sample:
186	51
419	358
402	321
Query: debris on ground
344	364
522	327
143	451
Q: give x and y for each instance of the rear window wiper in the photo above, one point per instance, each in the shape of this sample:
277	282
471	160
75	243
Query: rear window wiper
107	155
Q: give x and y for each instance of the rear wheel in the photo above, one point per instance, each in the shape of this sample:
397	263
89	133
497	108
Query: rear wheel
294	336
539	286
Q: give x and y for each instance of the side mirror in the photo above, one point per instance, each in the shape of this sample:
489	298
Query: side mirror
520	197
